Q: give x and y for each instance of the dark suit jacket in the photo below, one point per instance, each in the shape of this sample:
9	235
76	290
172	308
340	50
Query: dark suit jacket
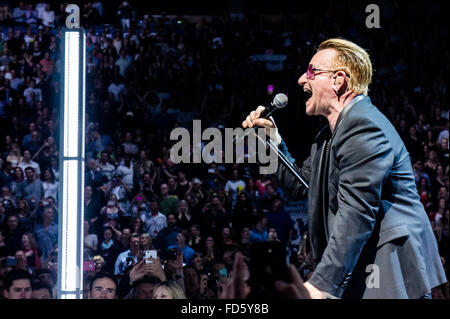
364	210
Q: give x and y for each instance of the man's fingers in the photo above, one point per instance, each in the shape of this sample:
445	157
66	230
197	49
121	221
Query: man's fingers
263	122
259	110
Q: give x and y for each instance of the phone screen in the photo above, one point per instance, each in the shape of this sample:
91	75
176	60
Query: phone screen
150	254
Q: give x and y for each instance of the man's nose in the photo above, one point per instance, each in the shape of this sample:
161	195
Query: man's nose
302	80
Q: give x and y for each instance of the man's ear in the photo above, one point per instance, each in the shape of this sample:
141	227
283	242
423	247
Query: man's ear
340	85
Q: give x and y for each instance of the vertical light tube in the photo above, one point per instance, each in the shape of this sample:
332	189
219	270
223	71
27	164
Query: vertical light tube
70	241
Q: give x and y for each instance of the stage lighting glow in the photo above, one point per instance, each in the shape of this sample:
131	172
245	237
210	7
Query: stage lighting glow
70	270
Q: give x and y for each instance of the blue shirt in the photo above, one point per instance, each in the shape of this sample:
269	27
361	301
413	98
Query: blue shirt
46	238
121	262
188	253
256	236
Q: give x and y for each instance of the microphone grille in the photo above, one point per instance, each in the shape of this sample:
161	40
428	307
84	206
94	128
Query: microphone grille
280	100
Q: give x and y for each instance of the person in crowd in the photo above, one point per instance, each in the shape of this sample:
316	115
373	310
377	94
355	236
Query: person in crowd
168	290
17	285
103	286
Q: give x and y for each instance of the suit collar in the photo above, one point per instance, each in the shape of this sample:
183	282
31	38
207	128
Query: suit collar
347	108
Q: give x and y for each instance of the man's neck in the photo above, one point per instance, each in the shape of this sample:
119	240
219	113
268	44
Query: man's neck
336	108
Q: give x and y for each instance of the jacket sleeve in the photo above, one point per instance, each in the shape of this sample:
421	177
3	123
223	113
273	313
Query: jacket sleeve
364	158
288	182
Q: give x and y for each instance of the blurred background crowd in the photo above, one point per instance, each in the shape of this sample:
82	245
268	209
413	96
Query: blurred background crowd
149	72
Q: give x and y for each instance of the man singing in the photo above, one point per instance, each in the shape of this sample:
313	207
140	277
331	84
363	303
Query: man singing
370	235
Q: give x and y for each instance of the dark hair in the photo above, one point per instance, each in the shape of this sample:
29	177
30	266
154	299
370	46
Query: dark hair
52	175
39	284
15	274
146	280
101	275
30	168
39	272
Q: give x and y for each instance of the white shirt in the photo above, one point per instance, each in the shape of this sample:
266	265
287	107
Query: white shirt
37	169
48	17
107	170
50	190
116	89
154	223
127	174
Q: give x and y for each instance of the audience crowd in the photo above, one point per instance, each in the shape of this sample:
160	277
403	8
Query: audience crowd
148	74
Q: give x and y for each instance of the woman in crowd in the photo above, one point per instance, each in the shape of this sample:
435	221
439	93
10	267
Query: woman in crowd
31	250
110	213
50	185
168	290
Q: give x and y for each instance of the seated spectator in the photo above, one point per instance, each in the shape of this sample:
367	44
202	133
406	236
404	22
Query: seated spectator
47	64
184	217
129	257
103	286
168	290
13	235
90	242
32	89
46	233
111	213
41	290
259	232
168	203
136	225
27	162
24	217
14	155
146	242
167	236
106	168
48	17
188	252
49	185
31	250
125	170
129	146
17	285
279	219
31	188
154	220
235	186
19	13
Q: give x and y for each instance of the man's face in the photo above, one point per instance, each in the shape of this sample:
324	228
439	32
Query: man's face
104	158
20	289
49	214
171	220
46	277
126	233
30	174
164	189
41	294
154	207
91	164
321	87
135	242
103	288
12	222
144	291
27	155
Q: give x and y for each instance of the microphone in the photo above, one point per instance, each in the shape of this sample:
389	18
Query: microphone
279	101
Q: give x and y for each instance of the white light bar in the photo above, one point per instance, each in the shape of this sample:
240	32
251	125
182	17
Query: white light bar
71	205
